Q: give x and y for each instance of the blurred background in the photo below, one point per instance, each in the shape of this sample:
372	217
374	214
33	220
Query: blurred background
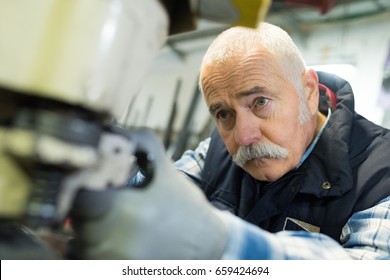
350	38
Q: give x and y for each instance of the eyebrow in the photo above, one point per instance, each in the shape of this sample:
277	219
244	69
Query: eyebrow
254	90
214	107
241	94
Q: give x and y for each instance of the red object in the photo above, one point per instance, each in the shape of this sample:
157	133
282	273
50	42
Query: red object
323	5
329	95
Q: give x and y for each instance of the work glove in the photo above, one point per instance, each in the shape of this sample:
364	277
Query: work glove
167	218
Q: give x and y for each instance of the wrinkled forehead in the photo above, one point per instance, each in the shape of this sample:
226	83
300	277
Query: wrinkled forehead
240	69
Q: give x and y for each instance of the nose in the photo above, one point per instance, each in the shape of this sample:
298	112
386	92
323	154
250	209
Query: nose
247	129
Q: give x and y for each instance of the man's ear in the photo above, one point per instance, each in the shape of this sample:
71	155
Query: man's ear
310	87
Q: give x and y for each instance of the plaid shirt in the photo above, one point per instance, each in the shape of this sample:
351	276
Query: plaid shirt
365	236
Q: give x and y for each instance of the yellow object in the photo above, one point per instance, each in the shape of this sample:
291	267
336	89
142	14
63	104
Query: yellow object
251	12
14	188
14	184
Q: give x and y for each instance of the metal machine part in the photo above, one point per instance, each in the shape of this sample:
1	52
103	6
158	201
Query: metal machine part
62	85
52	150
89	53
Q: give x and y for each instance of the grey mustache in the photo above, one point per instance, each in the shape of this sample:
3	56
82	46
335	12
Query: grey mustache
259	150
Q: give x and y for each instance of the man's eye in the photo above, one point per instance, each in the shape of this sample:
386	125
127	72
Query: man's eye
223	115
262	101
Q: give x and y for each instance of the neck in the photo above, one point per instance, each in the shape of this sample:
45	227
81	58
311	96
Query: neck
319	123
321	119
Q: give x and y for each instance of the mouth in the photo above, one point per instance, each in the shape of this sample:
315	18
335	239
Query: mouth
258	162
261	160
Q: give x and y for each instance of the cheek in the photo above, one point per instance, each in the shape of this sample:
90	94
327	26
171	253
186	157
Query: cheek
289	124
287	132
229	141
295	142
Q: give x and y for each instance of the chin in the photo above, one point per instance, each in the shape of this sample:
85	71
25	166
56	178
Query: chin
263	172
265	177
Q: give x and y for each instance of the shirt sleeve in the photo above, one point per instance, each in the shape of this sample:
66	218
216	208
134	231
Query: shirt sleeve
365	236
192	161
367	233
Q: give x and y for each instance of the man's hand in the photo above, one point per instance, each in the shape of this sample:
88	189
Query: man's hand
169	218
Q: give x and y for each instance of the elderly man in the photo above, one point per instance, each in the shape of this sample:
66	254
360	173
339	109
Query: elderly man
293	172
